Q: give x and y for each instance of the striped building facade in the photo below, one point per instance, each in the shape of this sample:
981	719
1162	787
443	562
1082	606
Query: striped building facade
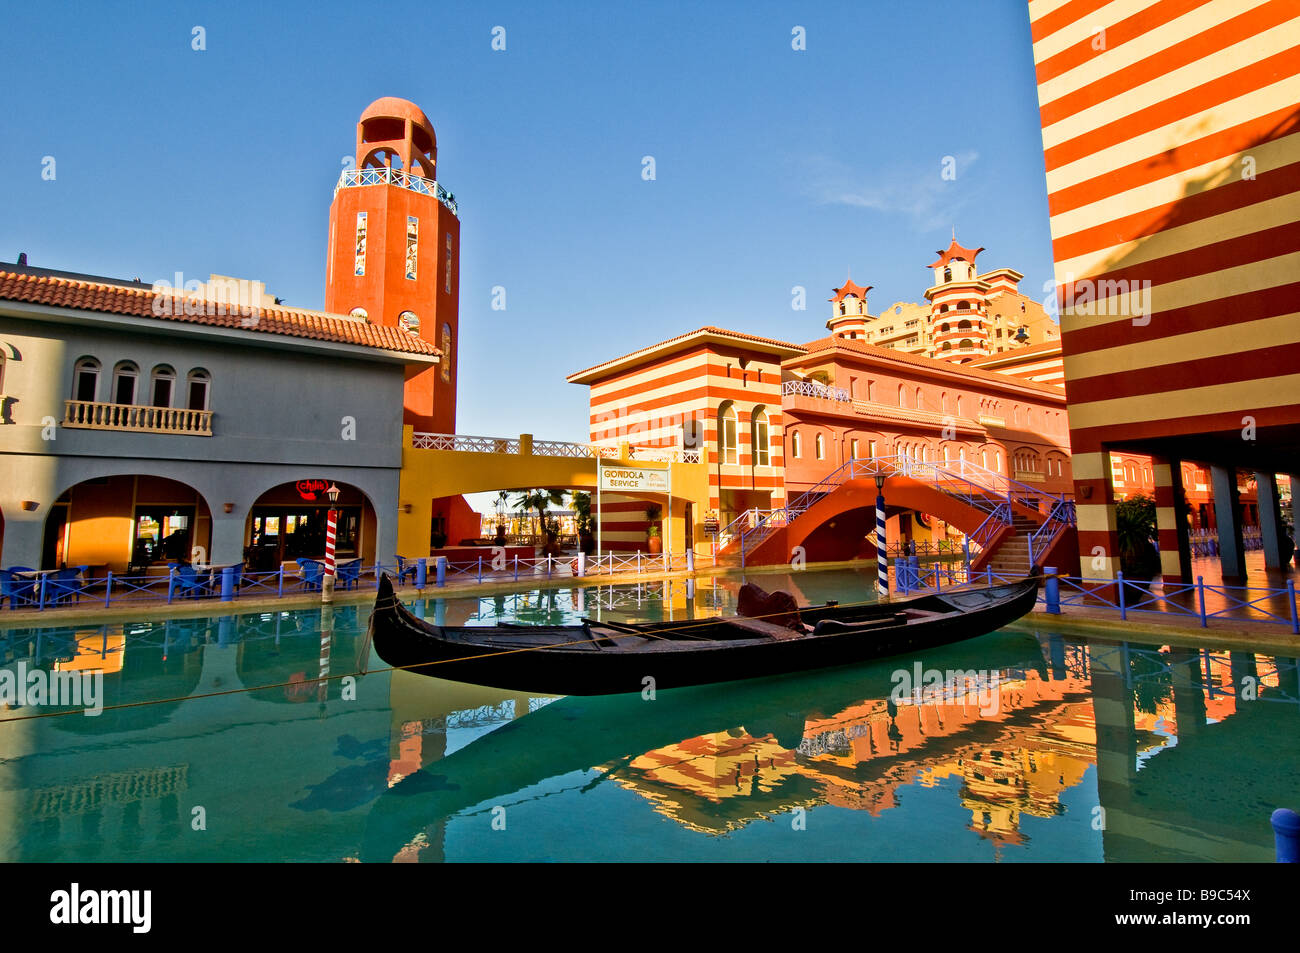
1171	138
710	391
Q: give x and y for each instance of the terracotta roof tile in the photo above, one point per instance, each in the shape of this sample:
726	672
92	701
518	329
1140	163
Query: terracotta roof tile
145	303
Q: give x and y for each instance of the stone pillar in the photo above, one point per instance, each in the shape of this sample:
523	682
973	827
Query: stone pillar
1227	516
1171	523
1271	530
1095	506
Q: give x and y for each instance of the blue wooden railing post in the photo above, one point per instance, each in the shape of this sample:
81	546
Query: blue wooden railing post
937	569
581	564
227	583
1123	612
1200	594
171	585
279	588
441	572
108	588
1052	590
1286	835
965	551
41	603
421	572
516	567
1295	614
548	565
480	569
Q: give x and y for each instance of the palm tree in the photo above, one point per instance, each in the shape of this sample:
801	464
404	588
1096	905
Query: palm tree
581	504
538	500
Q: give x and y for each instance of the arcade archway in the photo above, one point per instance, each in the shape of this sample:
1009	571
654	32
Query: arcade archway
287	522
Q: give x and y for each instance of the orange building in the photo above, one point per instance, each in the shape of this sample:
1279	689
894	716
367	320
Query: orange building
711	395
773	418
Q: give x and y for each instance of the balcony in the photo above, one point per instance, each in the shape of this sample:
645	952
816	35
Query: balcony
353	178
814	389
94	415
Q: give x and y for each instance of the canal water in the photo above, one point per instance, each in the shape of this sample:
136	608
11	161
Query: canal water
218	744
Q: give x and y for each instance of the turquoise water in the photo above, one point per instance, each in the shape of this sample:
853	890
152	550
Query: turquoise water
1045	748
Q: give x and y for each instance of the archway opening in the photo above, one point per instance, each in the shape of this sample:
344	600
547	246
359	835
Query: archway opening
287	523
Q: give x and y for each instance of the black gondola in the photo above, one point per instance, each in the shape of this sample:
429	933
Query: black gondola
603	658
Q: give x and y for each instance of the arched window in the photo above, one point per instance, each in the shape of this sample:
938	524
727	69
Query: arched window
947	346
959	405
943	328
943	308
902	399
984	459
409	321
727	443
853	449
918	398
2	372
965	343
819	447
963	305
1017	415
963	325
162	386
125	377
947	274
359	313
762	439
796	444
943	402
85	379
446	352
197	384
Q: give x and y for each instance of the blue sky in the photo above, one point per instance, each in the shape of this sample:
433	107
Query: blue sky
775	168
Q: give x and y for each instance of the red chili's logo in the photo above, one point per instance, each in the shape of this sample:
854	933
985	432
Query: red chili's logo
308	489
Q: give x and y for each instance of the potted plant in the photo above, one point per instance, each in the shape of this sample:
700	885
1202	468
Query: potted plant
1135	523
654	542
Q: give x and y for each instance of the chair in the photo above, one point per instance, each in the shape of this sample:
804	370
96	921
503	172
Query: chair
63	586
190	583
349	574
311	571
405	567
17	590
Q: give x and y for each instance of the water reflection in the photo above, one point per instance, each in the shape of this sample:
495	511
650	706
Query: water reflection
1091	749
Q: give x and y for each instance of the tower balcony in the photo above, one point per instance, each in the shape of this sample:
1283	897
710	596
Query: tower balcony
356	178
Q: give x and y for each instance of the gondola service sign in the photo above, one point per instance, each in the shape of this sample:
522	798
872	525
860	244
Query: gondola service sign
633	478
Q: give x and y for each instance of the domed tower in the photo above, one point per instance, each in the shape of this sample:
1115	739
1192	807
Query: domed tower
394	248
849	311
958	320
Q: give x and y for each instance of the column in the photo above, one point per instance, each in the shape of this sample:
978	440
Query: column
1171	523
1095	506
1271	529
1227	514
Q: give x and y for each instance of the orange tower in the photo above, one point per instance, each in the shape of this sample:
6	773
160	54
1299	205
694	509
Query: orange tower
394	249
959	326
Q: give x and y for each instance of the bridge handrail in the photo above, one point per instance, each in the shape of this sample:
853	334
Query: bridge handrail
468	443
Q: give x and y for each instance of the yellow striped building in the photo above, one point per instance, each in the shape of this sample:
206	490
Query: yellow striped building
1171	140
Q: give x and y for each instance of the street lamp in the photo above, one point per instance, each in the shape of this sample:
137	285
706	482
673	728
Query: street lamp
882	560
331	531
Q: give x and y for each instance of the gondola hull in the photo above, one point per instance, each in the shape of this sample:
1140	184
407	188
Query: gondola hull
592	659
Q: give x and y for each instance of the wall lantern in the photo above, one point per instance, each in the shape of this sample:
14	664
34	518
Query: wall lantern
30	505
1085	492
407	507
228	507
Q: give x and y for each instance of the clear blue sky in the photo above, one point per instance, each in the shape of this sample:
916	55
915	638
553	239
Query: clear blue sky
775	167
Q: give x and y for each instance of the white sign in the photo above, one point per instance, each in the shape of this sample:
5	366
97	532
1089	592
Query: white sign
633	478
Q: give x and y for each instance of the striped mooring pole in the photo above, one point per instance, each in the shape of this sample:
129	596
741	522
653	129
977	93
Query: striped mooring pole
882	560
331	531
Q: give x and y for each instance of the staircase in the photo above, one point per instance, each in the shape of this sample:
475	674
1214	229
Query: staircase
1011	557
987	491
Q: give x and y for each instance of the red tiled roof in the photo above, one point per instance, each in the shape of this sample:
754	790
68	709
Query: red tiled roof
956	251
704	332
903	357
140	303
850	289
